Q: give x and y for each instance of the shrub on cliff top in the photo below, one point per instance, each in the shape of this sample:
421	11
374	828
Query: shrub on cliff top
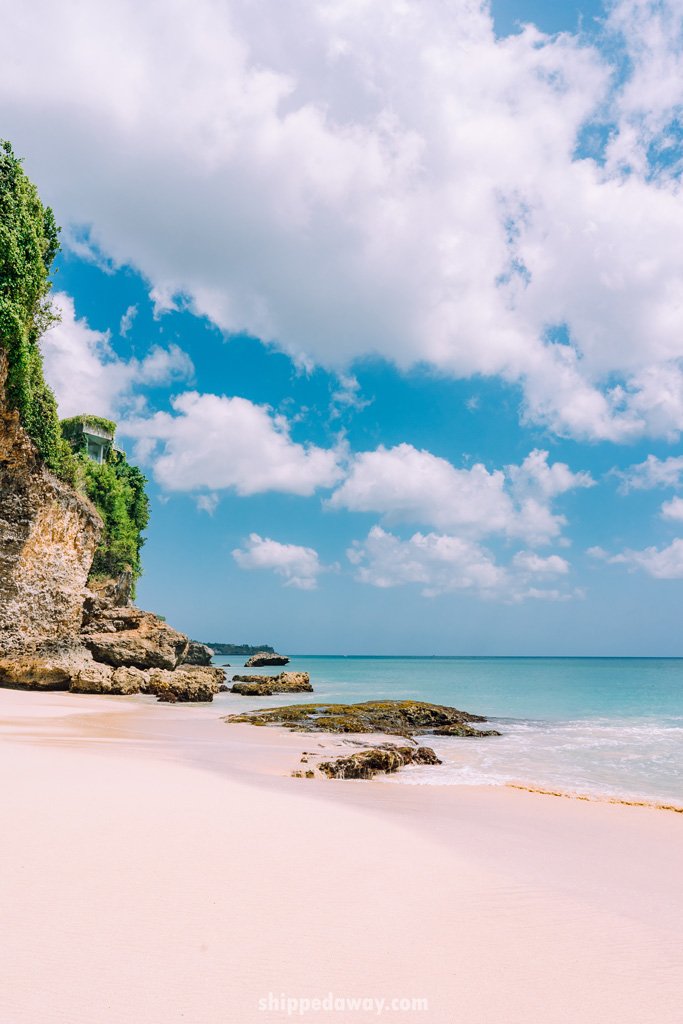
28	245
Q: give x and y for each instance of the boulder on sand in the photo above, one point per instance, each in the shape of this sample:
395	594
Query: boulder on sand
187	683
385	758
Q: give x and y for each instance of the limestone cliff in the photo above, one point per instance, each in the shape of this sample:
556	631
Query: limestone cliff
48	536
55	631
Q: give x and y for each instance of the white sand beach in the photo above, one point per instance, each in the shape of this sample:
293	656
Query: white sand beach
158	866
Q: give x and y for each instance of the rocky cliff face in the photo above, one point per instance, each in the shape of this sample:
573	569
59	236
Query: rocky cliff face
48	535
55	632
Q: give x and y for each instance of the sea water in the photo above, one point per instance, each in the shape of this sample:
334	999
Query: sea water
599	726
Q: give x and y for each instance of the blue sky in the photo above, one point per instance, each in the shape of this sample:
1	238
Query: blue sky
386	302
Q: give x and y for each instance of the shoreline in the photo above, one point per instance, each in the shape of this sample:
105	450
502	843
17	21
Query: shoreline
261	742
160	866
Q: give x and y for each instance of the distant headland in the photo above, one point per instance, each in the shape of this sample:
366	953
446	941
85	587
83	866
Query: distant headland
231	649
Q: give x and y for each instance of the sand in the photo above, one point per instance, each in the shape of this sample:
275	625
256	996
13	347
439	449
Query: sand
159	866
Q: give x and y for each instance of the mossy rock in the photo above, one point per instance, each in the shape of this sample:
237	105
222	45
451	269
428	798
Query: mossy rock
391	717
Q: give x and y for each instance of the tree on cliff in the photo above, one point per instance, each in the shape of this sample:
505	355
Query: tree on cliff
117	489
28	245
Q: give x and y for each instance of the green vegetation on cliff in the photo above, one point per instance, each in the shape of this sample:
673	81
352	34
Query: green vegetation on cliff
117	490
28	245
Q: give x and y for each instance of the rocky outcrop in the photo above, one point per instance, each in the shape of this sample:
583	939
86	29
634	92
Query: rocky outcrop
57	631
266	686
463	729
385	758
48	667
197	654
188	683
390	717
48	536
129	636
265	658
113	592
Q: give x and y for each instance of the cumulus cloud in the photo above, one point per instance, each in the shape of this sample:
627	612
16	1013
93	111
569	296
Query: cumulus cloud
672	509
219	442
651	473
346	178
530	562
442	563
436	562
662	563
404	484
86	375
299	566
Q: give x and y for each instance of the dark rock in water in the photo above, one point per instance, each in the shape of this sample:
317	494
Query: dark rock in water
462	729
265	658
391	717
385	758
197	654
265	686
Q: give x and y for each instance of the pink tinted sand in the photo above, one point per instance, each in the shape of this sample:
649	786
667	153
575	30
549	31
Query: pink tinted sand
159	866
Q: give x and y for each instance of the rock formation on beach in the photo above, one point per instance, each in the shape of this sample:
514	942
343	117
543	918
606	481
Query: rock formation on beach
390	717
262	658
57	631
266	686
384	758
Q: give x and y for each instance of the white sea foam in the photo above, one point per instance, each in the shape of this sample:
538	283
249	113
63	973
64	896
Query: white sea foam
625	758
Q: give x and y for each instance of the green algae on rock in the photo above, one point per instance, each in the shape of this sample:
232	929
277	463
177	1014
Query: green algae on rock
390	717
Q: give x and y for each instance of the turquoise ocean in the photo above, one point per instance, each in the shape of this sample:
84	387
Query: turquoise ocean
598	726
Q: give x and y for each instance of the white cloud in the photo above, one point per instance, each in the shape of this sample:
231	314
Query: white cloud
207	502
218	442
440	563
436	562
530	562
662	563
672	509
86	375
651	473
347	178
127	320
404	484
299	566
347	396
